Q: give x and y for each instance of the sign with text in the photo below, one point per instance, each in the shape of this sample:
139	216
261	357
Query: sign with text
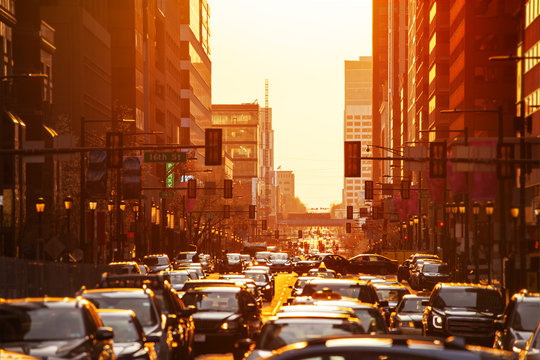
164	156
170	175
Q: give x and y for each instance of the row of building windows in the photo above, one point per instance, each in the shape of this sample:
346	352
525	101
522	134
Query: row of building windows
532	52
532	100
357	117
532	11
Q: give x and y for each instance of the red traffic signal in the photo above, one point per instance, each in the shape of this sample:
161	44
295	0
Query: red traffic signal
350	212
437	159
441	224
227	189
213	147
353	159
192	189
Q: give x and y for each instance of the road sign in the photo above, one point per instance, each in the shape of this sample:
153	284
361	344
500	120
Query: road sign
170	176
164	156
166	194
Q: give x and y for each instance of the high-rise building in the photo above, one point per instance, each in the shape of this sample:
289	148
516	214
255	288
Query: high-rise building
267	195
357	122
285	191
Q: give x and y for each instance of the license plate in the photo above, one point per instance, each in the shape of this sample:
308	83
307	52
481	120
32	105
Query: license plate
200	338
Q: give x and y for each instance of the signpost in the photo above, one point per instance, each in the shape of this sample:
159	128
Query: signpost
164	156
170	175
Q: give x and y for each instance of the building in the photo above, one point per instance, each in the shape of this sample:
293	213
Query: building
268	186
357	123
285	191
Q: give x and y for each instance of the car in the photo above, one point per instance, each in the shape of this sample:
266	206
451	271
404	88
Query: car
123	267
291	327
280	262
407	317
144	269
519	320
416	271
224	315
68	328
303	266
197	267
233	264
373	264
391	295
385	347
266	269
350	288
529	350
246	259
463	309
263	282
178	316
157	262
9	355
184	257
299	285
262	257
145	305
130	341
432	273
177	278
322	273
367	313
405	267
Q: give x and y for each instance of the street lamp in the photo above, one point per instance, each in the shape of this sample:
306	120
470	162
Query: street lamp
489	213
110	208
153	213
92	205
514	212
40	208
68	203
416	220
425	242
121	207
476	211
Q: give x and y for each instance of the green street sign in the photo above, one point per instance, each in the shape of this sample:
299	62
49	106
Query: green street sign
170	177
166	194
164	156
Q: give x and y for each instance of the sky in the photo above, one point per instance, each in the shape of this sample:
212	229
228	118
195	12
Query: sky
300	46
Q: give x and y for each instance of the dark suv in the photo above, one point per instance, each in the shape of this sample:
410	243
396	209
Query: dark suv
157	262
466	310
64	328
519	320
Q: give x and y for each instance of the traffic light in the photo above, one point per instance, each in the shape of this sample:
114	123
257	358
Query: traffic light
114	157
212	147
348	228
252	211
437	159
353	159
350	212
441	224
131	177
96	175
264	224
368	189
227	189
276	234
192	189
299	234
226	211
505	155
405	189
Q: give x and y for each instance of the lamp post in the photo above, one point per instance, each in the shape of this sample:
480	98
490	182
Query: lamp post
462	211
92	205
40	208
489	213
411	231
416	221
135	209
445	243
514	212
454	228
476	211
68	203
403	232
425	242
110	209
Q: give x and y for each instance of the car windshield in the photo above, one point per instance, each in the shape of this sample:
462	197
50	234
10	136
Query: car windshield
121	269
262	255
527	316
410	306
185	256
178	279
349	290
257	277
476	298
279	256
436	268
234	257
125	330
141	306
153	261
391	294
274	336
37	323
212	301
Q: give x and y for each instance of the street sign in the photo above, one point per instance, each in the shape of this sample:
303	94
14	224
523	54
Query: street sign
170	176
164	156
166	194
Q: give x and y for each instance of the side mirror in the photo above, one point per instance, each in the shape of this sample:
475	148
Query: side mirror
520	345
425	302
498	325
188	311
153	339
104	333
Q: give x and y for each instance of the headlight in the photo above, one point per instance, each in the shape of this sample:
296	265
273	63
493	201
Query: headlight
267	287
229	325
437	321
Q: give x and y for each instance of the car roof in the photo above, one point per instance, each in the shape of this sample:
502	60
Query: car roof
124	313
221	289
413	296
118	292
338	281
465	285
525	296
347	302
389	286
311	315
50	302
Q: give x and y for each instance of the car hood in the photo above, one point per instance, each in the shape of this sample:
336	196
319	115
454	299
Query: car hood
125	349
409	317
258	354
215	315
56	348
466	312
279	262
157	268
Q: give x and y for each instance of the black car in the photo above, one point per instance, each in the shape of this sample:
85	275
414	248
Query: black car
54	328
407	317
303	266
372	264
405	267
386	347
263	282
130	342
519	320
280	262
178	316
349	288
224	315
391	295
146	307
433	273
465	310
291	327
157	262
